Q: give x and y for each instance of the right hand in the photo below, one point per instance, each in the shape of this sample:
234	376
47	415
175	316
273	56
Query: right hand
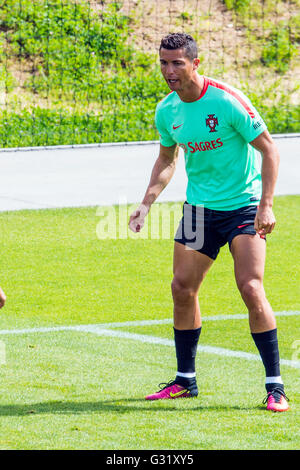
137	218
2	298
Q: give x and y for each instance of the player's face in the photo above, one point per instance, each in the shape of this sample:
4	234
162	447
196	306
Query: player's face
177	69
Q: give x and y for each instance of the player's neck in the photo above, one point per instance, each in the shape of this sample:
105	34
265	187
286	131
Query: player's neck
193	91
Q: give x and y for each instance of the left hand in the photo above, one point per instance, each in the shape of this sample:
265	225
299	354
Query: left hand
264	221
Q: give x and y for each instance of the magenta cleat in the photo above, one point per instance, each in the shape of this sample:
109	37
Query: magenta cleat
277	400
173	390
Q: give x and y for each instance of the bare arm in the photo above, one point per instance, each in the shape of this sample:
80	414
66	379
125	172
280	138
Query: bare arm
265	220
162	173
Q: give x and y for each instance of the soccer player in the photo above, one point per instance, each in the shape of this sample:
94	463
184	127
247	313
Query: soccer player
229	200
2	298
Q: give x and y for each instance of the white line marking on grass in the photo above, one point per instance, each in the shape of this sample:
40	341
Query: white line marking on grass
244	316
105	329
164	321
49	329
168	342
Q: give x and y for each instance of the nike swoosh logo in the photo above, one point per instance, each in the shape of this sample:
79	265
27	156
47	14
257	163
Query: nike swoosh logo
240	226
177	394
176	127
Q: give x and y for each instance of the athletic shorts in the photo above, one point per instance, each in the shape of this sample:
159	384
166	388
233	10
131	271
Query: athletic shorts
206	230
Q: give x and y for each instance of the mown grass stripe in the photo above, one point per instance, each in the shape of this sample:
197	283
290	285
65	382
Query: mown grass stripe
164	321
167	342
107	330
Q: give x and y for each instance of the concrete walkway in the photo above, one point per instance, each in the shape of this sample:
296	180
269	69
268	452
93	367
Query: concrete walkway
106	174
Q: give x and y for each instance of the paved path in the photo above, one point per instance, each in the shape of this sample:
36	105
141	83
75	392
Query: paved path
105	175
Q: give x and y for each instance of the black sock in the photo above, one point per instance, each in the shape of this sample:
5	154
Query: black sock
267	345
272	387
186	342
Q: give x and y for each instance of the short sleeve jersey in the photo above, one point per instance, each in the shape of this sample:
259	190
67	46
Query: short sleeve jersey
223	169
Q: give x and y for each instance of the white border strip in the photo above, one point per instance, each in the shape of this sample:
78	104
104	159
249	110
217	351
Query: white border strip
79	146
167	342
164	321
103	330
112	144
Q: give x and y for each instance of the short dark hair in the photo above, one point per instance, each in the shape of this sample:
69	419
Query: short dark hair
180	41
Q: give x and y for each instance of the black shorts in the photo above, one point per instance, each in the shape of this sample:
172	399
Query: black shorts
206	230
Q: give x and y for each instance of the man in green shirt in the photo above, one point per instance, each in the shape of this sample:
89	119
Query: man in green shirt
229	200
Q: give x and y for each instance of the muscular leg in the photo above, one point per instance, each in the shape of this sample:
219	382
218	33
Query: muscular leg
249	259
249	253
189	269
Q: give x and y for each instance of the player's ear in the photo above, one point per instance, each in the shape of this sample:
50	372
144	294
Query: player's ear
196	63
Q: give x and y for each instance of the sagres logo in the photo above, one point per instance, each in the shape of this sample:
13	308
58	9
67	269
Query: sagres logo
212	122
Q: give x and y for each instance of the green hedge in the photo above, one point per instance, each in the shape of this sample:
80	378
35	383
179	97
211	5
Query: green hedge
88	82
54	127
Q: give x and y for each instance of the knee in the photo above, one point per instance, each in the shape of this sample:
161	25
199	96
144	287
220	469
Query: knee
181	291
251	289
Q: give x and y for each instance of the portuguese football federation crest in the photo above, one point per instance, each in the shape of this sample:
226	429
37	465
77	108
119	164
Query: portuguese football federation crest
184	147
212	122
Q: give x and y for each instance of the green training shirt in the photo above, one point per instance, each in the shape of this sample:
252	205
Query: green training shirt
223	169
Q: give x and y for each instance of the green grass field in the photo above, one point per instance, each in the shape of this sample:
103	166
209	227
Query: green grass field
84	388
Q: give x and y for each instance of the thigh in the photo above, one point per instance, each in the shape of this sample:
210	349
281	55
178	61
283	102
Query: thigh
196	231
190	266
249	252
241	221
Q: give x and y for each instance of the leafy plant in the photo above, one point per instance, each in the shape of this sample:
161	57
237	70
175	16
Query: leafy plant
83	79
278	49
239	5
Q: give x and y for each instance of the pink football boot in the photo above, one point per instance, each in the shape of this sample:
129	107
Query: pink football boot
277	400
173	390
